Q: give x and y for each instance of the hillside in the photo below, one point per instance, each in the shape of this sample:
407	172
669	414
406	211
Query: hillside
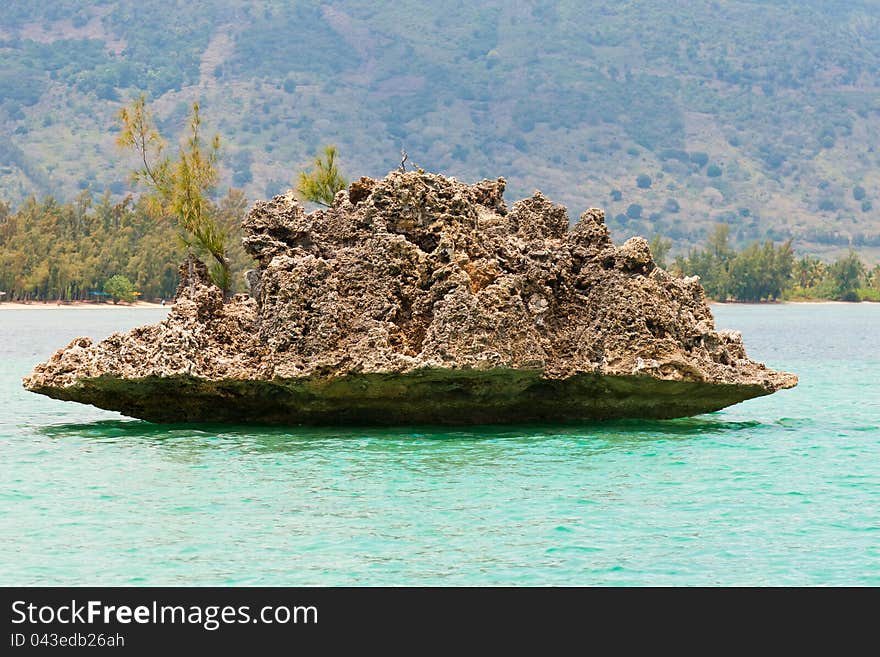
763	115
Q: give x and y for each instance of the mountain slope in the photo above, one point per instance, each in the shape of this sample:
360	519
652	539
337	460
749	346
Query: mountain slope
762	114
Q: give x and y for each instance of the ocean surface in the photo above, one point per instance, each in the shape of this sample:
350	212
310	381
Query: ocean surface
782	490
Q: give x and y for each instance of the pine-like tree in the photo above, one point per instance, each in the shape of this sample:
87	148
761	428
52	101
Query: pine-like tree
181	187
323	181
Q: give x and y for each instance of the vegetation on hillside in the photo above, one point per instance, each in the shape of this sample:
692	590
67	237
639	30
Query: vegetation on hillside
761	115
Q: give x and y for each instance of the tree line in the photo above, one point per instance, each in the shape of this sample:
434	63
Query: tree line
53	251
765	271
92	248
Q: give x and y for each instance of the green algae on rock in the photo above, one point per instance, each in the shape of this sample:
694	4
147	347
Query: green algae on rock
421	299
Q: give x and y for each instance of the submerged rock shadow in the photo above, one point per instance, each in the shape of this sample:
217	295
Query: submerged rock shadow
260	438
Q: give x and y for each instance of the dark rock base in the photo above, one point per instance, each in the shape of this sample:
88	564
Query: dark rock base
450	397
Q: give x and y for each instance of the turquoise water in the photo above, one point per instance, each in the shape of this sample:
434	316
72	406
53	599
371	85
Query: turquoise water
779	490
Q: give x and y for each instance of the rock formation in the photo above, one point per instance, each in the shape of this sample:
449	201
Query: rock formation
417	298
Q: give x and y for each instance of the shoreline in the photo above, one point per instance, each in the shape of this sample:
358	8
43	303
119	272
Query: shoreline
798	302
48	305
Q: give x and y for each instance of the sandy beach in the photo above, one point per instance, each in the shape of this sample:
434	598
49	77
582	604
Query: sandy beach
787	303
48	305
